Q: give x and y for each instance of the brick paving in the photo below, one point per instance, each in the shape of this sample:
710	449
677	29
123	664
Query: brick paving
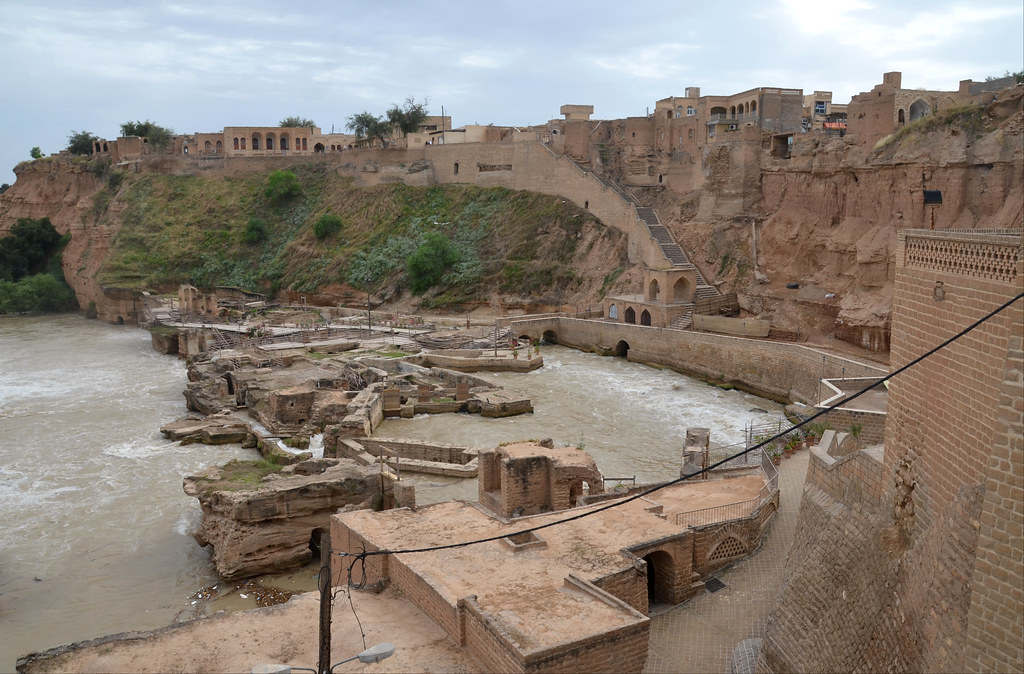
699	635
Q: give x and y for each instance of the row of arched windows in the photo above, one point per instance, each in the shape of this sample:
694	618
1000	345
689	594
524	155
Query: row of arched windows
270	142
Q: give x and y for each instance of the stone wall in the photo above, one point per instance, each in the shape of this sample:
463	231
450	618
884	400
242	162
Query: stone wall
782	371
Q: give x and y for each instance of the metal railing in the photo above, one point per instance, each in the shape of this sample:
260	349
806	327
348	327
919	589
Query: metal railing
731	511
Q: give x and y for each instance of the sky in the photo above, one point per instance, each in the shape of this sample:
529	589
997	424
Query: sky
79	65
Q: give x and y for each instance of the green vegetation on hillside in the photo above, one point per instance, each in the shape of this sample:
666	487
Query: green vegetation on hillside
232	230
30	273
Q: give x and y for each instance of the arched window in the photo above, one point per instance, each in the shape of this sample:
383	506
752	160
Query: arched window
284	142
740	110
208	147
220	147
653	290
255	142
900	117
690	111
645	317
613	312
236	142
270	142
668	113
753	106
243	143
456	168
630	316
304	146
732	111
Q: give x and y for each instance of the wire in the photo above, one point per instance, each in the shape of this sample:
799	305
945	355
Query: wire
362	555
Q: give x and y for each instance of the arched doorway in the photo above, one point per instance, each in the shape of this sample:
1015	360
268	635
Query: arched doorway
919	109
645	317
622	348
318	148
550	337
653	290
630	316
660	575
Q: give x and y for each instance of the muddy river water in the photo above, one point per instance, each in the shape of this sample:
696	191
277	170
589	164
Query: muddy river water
94	526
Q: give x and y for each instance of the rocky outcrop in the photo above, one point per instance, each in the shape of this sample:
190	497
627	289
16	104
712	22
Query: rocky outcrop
265	526
216	429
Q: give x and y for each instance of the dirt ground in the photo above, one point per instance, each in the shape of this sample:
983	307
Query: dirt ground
286	634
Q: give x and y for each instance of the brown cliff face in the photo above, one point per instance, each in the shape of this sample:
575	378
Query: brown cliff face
72	194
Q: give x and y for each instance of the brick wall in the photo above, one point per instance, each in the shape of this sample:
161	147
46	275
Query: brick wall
872	424
417	586
929	575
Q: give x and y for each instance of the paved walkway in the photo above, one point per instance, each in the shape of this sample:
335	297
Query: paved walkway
699	635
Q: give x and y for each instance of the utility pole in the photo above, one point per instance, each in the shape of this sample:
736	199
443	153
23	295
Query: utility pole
324	585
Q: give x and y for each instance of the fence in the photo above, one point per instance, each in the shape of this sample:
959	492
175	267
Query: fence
732	511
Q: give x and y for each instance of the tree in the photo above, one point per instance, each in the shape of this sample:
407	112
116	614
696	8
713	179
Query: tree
5	187
297	122
369	126
1018	77
26	247
432	259
80	142
36	153
155	135
409	117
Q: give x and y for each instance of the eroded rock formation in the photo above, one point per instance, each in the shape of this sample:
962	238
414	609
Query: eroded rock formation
259	526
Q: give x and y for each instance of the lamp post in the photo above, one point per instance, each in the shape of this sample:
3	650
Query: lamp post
369	318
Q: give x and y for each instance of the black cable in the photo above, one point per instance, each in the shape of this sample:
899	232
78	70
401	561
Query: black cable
364	553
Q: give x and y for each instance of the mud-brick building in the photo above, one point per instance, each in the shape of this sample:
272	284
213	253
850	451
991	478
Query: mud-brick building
912	559
569	596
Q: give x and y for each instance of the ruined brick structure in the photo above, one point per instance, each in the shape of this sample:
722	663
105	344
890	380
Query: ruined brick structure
912	560
519	480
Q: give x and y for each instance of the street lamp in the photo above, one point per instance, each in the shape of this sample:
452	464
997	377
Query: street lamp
369	318
371	654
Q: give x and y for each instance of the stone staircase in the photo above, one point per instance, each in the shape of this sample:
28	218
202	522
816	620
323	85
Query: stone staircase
659	232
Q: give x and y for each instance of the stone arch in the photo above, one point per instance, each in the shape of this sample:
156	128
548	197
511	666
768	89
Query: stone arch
728	548
661	573
653	290
919	109
901	117
243	142
739	109
235	142
622	348
550	337
753	107
718	110
219	147
577	490
208	147
270	141
318	148
284	142
680	289
613	312
255	142
630	315
668	113
645	317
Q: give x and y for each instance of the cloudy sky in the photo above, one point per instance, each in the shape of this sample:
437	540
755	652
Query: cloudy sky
199	66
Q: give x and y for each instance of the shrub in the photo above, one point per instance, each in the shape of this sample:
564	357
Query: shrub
327	224
282	185
432	259
256	231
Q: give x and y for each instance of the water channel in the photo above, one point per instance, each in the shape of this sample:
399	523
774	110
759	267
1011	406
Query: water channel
95	526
